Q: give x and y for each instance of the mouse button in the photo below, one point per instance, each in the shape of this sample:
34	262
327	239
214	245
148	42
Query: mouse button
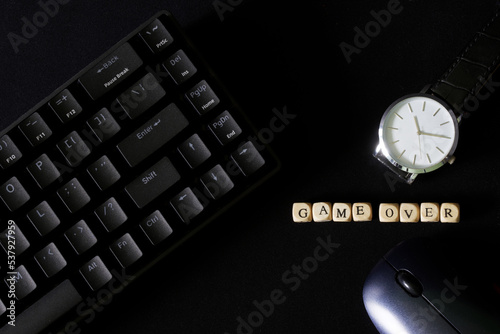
392	310
409	283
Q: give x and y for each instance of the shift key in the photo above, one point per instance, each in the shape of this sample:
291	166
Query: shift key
152	135
110	71
153	182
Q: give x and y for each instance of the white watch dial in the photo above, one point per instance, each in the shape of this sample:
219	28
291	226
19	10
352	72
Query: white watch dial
418	133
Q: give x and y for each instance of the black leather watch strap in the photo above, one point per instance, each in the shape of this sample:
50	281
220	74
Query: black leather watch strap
462	84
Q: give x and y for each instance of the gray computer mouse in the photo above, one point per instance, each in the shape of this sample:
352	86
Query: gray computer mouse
415	289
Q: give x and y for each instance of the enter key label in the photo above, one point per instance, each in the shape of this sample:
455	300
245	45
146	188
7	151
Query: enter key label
152	135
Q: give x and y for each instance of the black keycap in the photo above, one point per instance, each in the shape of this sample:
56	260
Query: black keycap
155	227
22	280
103	172
13	194
50	260
110	71
80	237
35	129
14	237
141	96
73	148
9	153
152	135
95	273
156	36
194	151
248	159
216	182
180	67
225	128
187	205
103	125
202	97
110	214
73	195
43	218
153	182
65	106
125	250
43	171
48	308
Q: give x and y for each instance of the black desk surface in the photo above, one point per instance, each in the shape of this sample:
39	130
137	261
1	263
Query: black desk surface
284	55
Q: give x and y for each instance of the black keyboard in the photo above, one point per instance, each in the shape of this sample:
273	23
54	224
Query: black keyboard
112	171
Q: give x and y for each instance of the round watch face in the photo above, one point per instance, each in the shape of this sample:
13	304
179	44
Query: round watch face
418	133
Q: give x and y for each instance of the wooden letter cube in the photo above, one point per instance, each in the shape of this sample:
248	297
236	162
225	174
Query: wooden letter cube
409	212
301	212
450	213
429	212
322	212
362	212
341	212
388	212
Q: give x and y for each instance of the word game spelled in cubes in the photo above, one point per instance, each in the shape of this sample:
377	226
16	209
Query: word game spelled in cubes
426	212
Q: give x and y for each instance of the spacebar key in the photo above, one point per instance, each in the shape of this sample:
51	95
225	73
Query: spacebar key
46	310
153	182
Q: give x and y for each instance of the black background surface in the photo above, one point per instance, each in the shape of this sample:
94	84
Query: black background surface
285	54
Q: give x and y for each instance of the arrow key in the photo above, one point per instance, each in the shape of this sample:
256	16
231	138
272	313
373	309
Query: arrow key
80	237
194	151
216	182
187	205
50	260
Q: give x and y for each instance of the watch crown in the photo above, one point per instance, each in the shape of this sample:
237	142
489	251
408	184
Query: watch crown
451	160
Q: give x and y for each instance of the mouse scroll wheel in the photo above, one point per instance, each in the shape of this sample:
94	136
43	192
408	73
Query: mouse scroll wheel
409	283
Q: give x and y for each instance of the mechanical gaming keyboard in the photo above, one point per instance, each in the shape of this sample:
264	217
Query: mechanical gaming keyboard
112	171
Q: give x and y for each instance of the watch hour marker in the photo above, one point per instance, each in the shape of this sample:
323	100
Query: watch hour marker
402	154
390	127
429	158
394	142
414	159
409	106
423	108
398	115
440	150
436	112
444	123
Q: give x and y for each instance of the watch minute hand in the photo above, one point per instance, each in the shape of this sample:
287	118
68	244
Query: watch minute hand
434	135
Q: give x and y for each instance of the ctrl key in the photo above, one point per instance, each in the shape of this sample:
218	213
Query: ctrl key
155	227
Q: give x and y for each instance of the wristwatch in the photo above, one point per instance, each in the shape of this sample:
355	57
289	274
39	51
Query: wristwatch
418	133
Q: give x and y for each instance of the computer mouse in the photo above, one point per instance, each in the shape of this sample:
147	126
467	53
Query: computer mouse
415	288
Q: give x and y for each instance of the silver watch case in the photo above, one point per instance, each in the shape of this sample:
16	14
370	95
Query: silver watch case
406	173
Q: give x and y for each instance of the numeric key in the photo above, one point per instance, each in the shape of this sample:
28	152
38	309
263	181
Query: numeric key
9	153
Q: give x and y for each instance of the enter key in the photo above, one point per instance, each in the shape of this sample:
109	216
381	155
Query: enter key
152	135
